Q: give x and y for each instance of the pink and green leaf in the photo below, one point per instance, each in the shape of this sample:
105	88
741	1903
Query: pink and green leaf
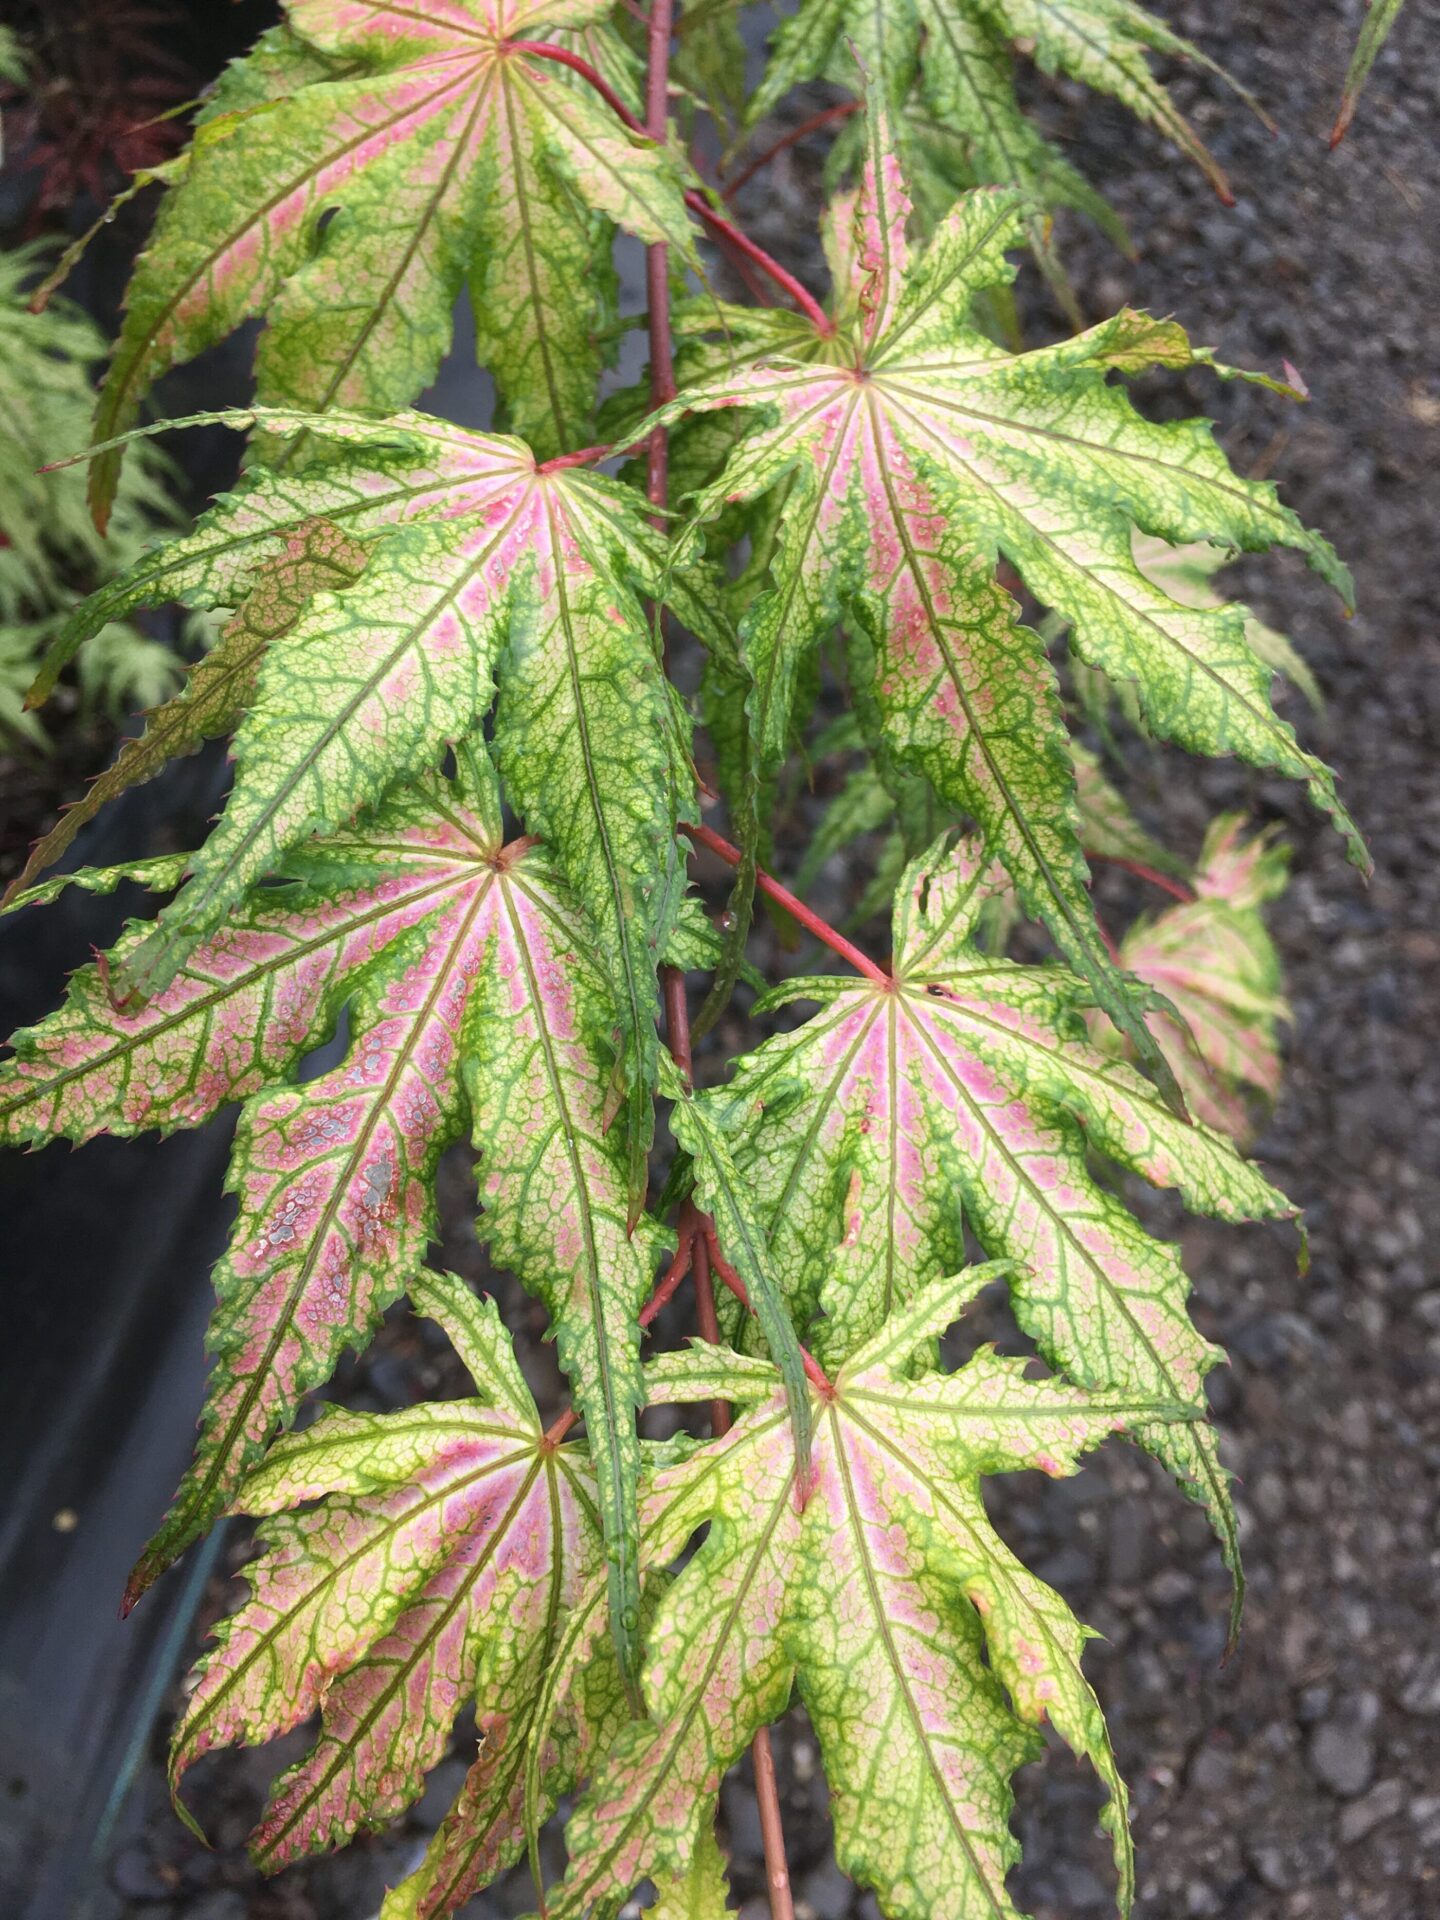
913	468
882	1598
874	1135
349	201
1214	961
482	565
434	1569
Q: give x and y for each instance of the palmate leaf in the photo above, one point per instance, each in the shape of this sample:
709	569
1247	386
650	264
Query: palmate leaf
965	1096
482	566
957	55
472	994
348	203
434	1568
925	1652
914	452
1216	964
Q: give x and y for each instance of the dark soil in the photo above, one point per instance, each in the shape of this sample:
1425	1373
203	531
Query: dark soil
1301	1781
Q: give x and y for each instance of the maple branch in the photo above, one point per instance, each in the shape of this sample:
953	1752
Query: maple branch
793	905
724	230
790	139
767	1793
696	1229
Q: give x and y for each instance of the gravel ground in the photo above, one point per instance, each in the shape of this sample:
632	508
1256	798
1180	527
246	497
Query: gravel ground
1302	1781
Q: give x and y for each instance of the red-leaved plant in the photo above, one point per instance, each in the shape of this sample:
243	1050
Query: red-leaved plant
465	793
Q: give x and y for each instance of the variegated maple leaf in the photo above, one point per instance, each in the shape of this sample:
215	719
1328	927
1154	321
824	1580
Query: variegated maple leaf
962	1094
472	996
483	566
355	173
431	1566
926	1654
1214	961
913	452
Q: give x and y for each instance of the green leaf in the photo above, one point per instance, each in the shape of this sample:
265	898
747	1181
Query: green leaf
1379	20
964	1097
433	1564
350	204
924	1651
719	1190
959	48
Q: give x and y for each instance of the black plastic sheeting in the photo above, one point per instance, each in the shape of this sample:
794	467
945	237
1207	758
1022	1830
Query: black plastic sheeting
107	1250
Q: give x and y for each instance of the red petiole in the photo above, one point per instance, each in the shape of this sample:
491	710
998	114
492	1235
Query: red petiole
793	905
724	230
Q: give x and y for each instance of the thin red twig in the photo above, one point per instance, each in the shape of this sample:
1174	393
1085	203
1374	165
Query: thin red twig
813	125
814	1372
767	1793
670	1280
724	230
694	1225
563	57
782	896
1177	889
727	231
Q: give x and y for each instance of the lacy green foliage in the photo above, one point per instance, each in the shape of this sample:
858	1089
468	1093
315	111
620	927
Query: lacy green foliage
1380	18
50	553
456	837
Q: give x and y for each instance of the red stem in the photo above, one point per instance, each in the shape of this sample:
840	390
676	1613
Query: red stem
693	1225
793	905
670	1279
814	1372
563	57
727	231
1175	888
723	229
813	125
767	1793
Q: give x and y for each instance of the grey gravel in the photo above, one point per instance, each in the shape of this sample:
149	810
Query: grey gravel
1382	1803
1342	1757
